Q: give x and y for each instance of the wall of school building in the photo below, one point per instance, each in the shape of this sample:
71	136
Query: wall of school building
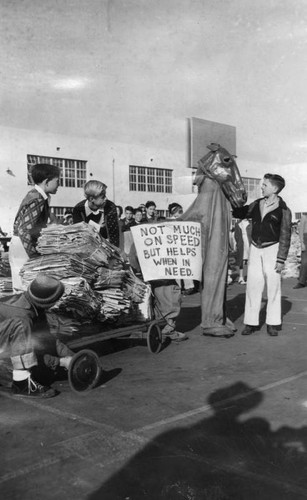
105	162
110	162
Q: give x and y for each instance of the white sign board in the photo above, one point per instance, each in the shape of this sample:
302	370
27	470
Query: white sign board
169	250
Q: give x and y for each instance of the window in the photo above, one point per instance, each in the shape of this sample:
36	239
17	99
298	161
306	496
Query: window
73	172
59	212
298	215
153	180
252	187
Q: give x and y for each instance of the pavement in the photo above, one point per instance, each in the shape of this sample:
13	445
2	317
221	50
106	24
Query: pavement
205	419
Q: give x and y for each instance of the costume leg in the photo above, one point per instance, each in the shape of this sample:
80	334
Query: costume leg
254	287
273	314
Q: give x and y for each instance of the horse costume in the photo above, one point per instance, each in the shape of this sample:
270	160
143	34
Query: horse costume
220	187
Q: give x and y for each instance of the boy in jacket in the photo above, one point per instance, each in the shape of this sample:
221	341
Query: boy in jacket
271	235
32	216
96	209
25	339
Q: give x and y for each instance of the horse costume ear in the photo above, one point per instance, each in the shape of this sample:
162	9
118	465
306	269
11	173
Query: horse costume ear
213	146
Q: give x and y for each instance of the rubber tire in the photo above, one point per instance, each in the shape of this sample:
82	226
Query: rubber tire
76	372
154	338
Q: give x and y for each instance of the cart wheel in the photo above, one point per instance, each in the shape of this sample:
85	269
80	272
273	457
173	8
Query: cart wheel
154	338
84	371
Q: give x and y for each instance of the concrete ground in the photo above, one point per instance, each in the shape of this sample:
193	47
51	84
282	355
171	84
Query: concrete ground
207	419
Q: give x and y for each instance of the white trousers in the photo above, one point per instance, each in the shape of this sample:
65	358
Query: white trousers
261	271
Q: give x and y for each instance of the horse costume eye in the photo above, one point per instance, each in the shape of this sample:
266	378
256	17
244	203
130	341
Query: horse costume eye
226	159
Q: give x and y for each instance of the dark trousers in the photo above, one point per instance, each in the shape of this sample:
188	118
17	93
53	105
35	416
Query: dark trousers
303	269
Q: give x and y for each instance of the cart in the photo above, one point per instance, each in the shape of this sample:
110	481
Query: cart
151	330
85	369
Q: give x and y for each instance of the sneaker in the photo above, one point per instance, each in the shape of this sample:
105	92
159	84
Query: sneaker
30	388
242	281
248	330
177	336
272	330
189	291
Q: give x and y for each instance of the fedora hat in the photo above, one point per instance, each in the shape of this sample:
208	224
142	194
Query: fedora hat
44	291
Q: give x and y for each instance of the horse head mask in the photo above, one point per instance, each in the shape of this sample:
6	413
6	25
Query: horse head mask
220	165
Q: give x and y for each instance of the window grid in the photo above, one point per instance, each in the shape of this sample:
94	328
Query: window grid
153	180
132	178
73	172
59	212
141	178
168	181
160	181
298	215
252	186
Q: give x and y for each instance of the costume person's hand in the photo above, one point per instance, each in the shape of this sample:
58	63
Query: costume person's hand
279	267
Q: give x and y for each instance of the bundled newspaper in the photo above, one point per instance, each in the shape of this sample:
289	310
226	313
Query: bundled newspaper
100	286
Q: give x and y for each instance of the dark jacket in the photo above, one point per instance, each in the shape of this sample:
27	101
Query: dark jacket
111	230
125	225
275	227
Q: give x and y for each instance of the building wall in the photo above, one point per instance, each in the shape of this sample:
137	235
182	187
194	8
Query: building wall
110	162
107	162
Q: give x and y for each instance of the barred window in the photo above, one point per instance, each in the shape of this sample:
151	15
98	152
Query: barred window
298	215
73	172
252	186
153	180
132	178
59	212
142	179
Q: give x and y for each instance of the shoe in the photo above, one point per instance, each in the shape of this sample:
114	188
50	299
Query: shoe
176	336
189	291
222	332
248	330
272	330
30	388
299	285
242	281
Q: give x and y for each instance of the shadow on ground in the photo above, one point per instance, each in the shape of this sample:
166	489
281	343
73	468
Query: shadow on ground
235	308
223	457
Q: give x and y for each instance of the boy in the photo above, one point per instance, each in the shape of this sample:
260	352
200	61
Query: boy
26	339
138	216
271	235
96	209
31	217
128	222
150	211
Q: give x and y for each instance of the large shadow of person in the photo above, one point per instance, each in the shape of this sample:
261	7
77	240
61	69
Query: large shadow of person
222	457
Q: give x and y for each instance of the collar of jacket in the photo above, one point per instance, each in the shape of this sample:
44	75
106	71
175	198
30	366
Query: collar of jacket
282	203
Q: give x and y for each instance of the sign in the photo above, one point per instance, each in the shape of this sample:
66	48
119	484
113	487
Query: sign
169	250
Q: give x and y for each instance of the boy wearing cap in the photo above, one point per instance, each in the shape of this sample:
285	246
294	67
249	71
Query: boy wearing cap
31	217
271	235
22	335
